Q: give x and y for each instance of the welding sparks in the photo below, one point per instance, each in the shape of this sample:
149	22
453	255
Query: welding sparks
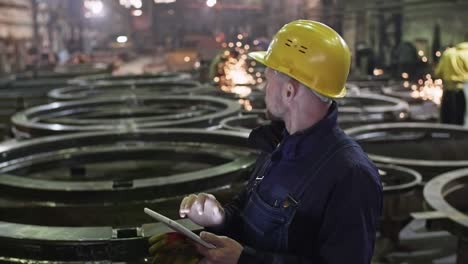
378	72
236	73
428	89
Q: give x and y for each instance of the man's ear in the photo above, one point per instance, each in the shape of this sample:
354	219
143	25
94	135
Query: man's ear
290	91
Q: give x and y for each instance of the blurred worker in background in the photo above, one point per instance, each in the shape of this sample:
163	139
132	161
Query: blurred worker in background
453	70
314	196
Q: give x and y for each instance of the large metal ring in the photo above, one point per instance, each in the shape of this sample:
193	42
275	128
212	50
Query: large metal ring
428	148
52	182
122	114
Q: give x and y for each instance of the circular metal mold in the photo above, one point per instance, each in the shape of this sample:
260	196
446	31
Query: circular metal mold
370	108
122	90
401	196
51	244
107	79
398	179
428	148
447	194
252	102
244	123
122	114
369	85
67	207
112	163
23	90
66	71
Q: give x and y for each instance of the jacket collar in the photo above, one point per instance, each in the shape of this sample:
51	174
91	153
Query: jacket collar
305	141
266	138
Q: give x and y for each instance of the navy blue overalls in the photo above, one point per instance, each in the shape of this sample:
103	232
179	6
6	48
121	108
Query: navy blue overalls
266	225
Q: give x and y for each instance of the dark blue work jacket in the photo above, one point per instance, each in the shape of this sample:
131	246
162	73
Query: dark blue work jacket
313	198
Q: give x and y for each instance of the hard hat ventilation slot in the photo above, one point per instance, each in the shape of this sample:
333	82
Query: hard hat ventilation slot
304	49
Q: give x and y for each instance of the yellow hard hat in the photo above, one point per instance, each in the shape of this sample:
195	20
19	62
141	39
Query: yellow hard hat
312	53
453	65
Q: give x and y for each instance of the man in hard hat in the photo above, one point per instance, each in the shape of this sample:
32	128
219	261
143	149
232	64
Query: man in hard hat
314	197
453	70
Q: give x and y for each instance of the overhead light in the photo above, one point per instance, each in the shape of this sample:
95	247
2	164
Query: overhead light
210	3
129	3
164	1
137	12
94	8
122	39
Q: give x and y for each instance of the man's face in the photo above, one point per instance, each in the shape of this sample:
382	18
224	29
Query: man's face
274	104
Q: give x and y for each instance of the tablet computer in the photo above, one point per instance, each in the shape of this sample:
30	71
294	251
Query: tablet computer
178	227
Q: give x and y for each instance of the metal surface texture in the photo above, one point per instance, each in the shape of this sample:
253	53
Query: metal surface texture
66	71
18	92
47	244
398	179
428	148
368	85
122	114
402	195
122	89
370	108
447	195
86	162
108	79
245	123
80	197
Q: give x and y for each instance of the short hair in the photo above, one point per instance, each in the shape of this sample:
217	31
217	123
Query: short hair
286	78
326	100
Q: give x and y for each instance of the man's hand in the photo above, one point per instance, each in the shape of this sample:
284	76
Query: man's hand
203	209
227	250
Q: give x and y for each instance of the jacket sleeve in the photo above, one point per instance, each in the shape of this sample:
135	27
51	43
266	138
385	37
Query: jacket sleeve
232	226
351	217
347	234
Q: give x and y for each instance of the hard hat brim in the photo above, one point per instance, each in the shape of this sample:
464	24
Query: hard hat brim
258	56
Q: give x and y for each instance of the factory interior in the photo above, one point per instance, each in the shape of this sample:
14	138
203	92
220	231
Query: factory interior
111	106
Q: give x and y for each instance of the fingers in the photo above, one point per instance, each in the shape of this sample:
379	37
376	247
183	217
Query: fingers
212	238
200	202
186	204
156	247
196	202
155	239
